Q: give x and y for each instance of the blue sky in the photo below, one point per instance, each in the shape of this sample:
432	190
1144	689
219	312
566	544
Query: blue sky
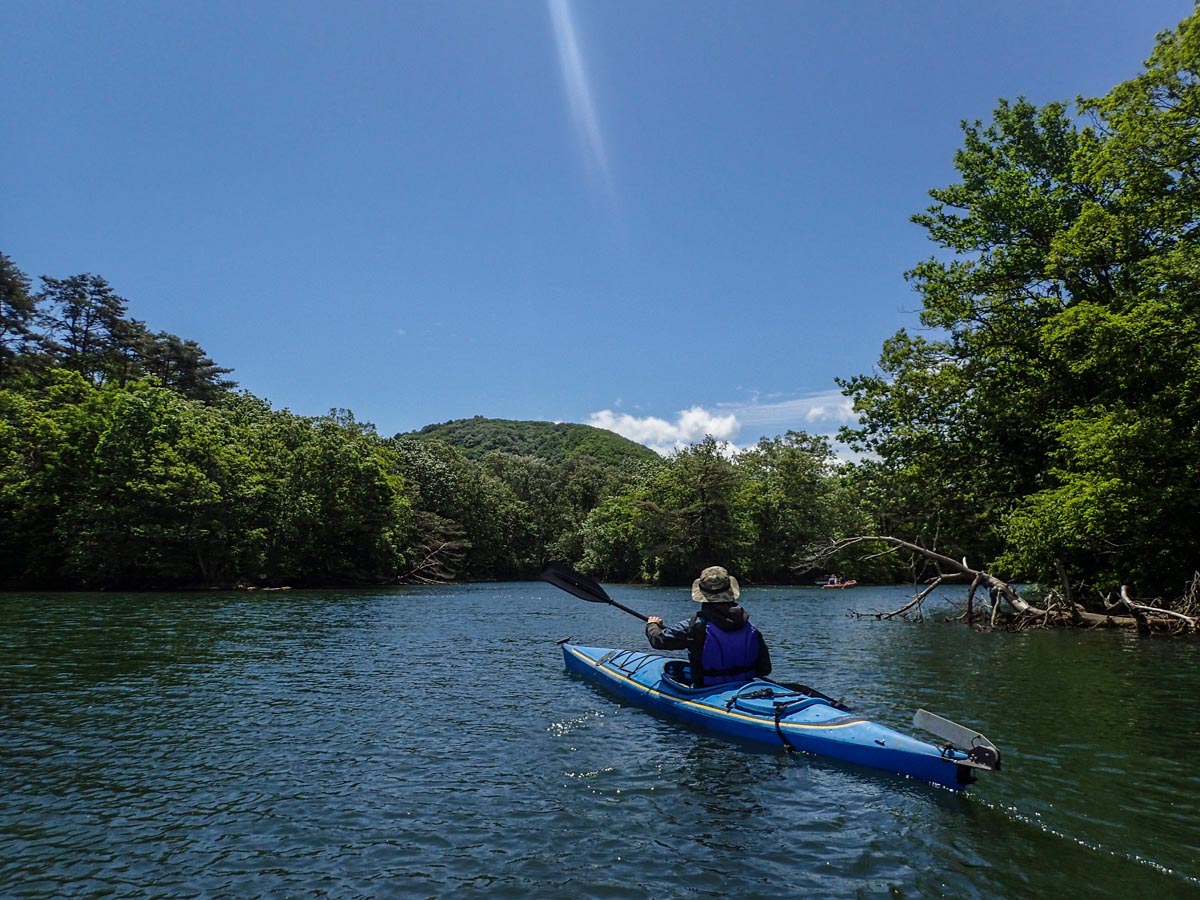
667	218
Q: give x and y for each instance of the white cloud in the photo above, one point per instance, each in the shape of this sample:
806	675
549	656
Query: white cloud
820	413
690	426
828	408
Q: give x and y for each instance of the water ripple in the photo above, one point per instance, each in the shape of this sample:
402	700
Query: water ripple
427	743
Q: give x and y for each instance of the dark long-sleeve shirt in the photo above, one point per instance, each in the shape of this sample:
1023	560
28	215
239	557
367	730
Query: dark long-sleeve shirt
689	634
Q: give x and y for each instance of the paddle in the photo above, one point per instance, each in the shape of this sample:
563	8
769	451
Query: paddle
564	577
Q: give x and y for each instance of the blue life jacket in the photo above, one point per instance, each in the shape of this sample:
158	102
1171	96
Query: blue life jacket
728	656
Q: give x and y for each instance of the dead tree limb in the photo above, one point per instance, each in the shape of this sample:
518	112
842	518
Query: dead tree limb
1154	610
1001	590
1068	600
1143	625
915	602
970	614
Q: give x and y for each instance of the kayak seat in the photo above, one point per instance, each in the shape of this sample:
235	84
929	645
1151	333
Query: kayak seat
678	674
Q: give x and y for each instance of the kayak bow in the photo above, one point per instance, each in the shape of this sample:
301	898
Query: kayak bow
768	713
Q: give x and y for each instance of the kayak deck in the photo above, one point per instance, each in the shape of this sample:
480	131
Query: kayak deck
771	714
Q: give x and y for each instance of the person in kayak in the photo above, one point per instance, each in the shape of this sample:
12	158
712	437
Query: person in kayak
722	645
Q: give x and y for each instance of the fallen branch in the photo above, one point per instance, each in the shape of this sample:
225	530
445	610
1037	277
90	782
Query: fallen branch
916	601
1154	610
1139	615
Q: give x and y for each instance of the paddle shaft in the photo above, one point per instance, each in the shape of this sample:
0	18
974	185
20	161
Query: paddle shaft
632	612
565	578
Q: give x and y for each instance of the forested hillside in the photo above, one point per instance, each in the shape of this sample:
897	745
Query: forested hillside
552	441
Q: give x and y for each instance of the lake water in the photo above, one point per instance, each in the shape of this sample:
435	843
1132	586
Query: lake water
427	742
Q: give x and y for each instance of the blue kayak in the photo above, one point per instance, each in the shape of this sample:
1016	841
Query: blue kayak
792	717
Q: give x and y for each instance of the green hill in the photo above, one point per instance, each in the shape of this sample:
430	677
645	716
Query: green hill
551	441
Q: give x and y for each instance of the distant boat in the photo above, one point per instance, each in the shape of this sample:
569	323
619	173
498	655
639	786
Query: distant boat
839	584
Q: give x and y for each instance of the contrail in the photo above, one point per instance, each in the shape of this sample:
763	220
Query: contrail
579	93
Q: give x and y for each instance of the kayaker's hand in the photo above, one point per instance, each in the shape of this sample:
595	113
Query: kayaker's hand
654	620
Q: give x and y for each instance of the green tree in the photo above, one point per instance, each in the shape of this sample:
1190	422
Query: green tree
18	313
687	513
46	437
88	329
786	502
1051	419
184	367
1122	500
958	417
612	540
456	499
344	513
584	486
153	506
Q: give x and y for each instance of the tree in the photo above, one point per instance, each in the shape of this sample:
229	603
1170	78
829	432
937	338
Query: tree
88	328
184	367
1122	498
1050	420
687	513
153	506
612	540
344	514
957	417
785	504
18	311
46	437
456	498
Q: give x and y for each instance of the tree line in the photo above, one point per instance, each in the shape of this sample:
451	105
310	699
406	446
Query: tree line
1043	424
118	470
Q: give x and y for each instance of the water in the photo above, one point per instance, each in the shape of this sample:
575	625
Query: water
427	743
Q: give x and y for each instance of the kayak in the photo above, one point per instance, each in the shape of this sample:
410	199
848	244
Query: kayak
840	585
793	717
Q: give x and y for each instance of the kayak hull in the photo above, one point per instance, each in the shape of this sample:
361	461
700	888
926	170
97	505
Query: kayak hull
767	713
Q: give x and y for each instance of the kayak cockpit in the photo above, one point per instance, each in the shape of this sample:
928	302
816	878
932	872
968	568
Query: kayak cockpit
677	673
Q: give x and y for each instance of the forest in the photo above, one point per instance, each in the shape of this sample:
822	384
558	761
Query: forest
1043	422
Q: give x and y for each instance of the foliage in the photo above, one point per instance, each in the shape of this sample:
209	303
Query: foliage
612	540
17	316
126	460
1050	419
787	501
554	442
458	501
951	417
756	512
136	485
80	323
688	514
1045	421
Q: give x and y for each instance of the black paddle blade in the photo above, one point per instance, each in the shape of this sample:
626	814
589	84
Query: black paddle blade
563	576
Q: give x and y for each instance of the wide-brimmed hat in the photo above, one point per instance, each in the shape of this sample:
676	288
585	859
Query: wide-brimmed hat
715	585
